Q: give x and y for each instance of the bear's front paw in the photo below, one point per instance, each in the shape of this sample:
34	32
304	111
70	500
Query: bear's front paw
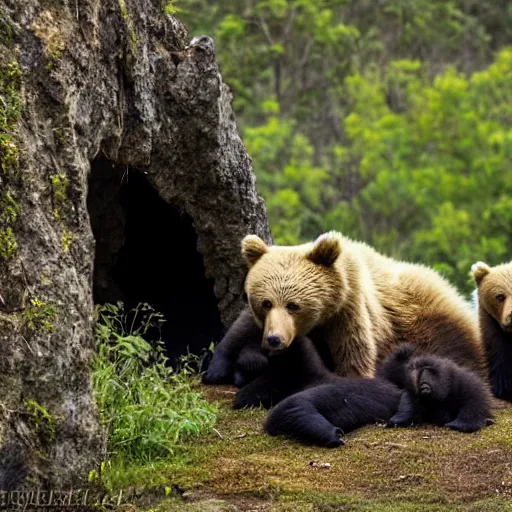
220	371
336	439
247	398
399	420
462	426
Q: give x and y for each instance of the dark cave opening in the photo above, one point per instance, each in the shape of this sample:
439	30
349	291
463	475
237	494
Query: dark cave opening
146	252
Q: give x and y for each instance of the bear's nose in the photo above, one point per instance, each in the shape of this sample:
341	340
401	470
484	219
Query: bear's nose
508	321
273	341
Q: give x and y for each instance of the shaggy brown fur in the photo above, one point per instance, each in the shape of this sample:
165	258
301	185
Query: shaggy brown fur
495	313
365	303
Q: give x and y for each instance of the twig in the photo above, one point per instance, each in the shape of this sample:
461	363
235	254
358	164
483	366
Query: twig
265	29
218	433
29	347
289	24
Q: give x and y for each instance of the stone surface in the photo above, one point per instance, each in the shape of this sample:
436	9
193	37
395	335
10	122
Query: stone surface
110	78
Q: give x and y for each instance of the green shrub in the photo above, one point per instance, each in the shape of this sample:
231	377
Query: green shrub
146	406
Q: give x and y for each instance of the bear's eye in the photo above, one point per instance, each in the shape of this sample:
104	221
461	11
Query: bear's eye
291	306
500	297
266	304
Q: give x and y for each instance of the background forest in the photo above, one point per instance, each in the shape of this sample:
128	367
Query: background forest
389	120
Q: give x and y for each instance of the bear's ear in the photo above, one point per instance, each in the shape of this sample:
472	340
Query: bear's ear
479	271
326	250
253	248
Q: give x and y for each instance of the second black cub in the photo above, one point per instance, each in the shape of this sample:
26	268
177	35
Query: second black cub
440	392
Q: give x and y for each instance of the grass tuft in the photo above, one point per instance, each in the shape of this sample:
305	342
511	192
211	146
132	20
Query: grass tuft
147	407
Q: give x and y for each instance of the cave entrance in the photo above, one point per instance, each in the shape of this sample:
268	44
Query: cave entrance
146	252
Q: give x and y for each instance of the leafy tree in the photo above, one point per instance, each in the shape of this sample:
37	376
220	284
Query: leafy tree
389	121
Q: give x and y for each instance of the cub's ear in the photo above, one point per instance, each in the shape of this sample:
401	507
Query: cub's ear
479	271
326	250
253	248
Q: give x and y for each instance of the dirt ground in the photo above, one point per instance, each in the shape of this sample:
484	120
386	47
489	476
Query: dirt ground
240	468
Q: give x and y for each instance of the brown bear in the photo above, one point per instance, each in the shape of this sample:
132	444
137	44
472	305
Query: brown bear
494	285
353	301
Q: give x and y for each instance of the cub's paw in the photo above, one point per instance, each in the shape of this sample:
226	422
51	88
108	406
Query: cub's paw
398	420
247	398
220	371
462	426
336	439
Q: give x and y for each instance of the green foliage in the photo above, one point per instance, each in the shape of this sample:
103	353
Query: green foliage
389	121
132	38
60	183
67	239
8	244
43	422
170	7
9	208
39	315
147	408
10	102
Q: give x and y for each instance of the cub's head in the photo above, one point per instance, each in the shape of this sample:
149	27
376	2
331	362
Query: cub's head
293	289
430	377
495	291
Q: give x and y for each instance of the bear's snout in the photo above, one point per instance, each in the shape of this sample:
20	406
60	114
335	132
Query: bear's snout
274	341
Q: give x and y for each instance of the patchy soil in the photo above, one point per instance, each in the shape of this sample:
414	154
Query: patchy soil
240	468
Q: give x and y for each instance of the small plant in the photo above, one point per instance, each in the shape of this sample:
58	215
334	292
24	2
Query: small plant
39	315
129	25
60	184
10	105
67	239
170	8
9	208
43	421
8	243
147	407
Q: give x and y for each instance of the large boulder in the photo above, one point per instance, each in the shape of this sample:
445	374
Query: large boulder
116	138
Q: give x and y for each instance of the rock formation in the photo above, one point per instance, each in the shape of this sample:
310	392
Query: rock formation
117	137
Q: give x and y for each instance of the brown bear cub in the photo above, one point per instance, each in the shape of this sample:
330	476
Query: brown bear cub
440	392
494	286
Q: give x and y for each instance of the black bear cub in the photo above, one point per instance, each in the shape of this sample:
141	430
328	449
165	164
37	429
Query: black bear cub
238	358
406	390
322	414
287	372
334	405
440	392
